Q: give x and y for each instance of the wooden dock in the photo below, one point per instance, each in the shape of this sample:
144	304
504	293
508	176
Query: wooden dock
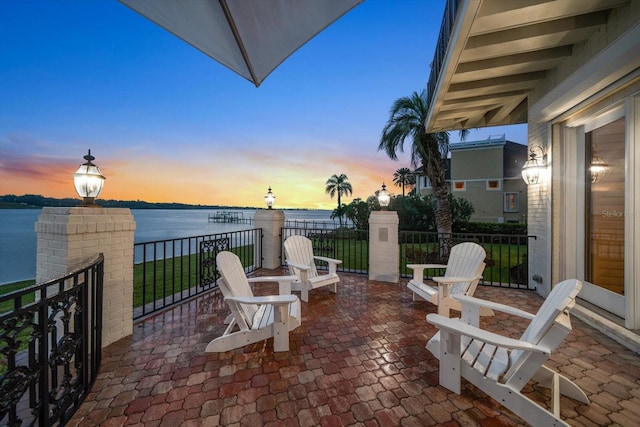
230	217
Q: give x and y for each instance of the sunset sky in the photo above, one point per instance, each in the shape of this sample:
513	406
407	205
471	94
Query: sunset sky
168	124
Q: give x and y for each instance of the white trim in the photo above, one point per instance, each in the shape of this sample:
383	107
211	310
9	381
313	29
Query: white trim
632	222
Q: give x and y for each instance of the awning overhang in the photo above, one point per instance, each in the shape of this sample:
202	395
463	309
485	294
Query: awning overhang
499	52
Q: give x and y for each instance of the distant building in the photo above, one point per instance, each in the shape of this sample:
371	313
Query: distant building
487	173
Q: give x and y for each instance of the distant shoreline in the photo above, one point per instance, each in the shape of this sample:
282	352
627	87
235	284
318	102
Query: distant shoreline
30	201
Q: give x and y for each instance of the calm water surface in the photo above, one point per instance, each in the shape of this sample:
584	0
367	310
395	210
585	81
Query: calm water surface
18	237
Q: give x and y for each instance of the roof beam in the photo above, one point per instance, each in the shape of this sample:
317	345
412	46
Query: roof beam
495	85
533	37
502	15
539	60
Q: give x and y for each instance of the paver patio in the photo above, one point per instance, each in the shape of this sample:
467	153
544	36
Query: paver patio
359	358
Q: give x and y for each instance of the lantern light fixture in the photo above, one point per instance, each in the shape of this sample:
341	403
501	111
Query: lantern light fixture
533	168
598	168
383	197
88	181
269	199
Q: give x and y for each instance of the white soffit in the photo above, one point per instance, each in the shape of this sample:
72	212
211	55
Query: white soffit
613	63
502	50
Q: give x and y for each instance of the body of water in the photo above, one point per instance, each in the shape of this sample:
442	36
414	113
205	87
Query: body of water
18	240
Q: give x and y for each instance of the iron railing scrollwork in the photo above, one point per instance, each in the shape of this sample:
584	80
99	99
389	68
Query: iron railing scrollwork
50	347
168	272
209	249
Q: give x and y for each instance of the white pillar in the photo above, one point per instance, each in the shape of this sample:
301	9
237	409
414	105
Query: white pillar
384	251
67	237
271	222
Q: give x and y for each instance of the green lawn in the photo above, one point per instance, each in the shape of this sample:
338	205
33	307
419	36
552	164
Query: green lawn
500	259
163	278
11	287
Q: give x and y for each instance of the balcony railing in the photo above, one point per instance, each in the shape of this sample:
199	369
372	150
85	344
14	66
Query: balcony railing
168	272
506	259
348	245
50	347
448	20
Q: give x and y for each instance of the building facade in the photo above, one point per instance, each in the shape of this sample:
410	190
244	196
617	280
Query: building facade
486	173
571	71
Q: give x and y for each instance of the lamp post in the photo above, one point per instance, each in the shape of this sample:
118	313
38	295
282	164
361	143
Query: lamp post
88	181
383	197
533	167
269	199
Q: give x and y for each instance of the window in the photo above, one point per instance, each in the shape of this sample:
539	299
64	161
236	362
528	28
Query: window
512	202
426	182
605	206
494	185
459	186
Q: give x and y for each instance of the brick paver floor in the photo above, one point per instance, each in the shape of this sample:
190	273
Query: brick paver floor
359	358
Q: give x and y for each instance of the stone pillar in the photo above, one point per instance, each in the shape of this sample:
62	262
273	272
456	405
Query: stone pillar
271	222
384	251
67	237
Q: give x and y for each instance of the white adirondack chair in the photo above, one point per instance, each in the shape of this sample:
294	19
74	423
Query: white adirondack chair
501	366
463	272
301	263
254	318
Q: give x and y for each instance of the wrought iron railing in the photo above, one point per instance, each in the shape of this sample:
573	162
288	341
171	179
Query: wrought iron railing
167	272
506	260
448	20
348	245
50	347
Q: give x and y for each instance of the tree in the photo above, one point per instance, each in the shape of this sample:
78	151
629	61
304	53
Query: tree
402	177
407	119
338	185
339	213
358	212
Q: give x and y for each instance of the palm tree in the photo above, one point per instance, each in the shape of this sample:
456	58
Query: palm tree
340	185
402	177
407	120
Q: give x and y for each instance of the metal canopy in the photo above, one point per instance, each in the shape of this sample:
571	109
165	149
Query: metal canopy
251	37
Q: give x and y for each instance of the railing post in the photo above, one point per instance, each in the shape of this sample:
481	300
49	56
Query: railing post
68	236
271	221
384	264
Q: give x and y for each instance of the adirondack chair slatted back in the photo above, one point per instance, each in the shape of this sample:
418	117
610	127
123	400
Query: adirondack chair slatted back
234	284
550	325
299	250
465	260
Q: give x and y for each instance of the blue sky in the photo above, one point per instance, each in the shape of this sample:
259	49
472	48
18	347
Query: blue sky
167	123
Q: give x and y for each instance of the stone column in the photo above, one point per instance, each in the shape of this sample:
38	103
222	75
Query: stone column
271	222
67	237
384	251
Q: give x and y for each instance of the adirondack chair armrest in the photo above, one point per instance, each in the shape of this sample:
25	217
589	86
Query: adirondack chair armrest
284	282
270	299
467	300
418	270
272	279
448	280
329	260
458	327
298	266
425	266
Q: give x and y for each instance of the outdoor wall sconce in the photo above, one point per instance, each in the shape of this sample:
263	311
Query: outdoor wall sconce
269	199
383	197
534	167
88	181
